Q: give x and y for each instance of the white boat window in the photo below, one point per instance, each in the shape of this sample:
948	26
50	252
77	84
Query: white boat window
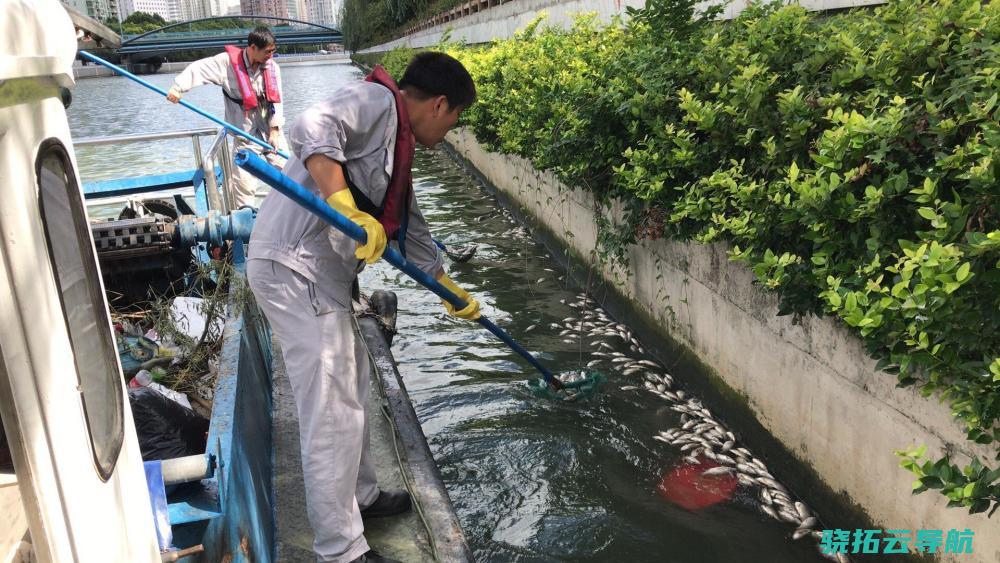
71	252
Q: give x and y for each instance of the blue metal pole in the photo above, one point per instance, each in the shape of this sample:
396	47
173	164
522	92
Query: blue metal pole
231	128
274	178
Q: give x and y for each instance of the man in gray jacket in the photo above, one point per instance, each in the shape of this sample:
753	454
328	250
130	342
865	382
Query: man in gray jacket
251	88
354	150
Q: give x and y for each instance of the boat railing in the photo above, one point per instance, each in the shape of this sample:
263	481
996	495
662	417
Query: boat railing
211	179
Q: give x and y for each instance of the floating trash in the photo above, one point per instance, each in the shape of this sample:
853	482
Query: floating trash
697	486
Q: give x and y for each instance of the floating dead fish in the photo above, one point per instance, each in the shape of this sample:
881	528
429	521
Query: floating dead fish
531	328
593	363
717	471
770	511
800	533
789	516
809	523
628	387
802	510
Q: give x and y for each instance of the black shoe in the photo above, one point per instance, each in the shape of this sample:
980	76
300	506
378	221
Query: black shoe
388	503
372	556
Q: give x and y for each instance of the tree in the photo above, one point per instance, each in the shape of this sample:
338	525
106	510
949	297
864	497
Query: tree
144	19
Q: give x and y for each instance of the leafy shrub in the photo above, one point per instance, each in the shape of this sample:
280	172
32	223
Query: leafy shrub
850	160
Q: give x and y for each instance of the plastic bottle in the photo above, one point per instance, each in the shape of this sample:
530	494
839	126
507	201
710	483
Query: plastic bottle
145	379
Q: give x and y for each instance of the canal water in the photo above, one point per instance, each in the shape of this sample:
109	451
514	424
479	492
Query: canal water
531	479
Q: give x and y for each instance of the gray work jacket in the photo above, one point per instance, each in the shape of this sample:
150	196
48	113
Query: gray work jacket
356	126
218	70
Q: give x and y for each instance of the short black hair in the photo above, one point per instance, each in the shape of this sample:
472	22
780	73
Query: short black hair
437	74
261	38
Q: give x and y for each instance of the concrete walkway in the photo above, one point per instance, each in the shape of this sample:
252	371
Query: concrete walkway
403	537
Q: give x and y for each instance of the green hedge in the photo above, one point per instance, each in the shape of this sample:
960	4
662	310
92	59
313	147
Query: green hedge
851	160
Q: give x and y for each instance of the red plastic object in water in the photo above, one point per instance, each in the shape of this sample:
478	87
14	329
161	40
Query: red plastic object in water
686	487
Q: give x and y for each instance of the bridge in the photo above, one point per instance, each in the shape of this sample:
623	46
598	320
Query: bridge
171	37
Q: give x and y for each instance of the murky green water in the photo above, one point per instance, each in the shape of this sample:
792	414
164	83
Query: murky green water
531	480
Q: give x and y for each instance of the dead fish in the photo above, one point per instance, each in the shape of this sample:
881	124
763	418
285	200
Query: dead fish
593	363
531	328
770	511
809	523
800	533
802	510
723	458
789	516
540	280
628	387
569	341
717	471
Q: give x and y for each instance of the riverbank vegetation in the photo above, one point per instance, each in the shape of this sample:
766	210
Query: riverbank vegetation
850	160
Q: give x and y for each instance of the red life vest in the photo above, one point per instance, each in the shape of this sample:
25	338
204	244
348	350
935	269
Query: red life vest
395	205
271	92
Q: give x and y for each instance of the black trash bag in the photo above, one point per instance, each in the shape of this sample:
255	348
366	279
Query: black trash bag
166	429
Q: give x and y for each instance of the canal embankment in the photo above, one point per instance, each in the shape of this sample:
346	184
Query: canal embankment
474	23
810	384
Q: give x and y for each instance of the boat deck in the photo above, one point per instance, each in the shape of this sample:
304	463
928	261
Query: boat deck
401	456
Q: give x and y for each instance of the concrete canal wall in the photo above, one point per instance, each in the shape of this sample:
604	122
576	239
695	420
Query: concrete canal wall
486	20
811	385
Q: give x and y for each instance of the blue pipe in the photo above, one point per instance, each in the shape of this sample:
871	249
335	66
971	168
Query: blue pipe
231	128
261	169
216	228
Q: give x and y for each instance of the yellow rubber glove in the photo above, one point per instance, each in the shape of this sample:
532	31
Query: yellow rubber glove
343	203
471	311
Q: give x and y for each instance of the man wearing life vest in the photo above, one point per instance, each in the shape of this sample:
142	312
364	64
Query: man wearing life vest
251	86
355	150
